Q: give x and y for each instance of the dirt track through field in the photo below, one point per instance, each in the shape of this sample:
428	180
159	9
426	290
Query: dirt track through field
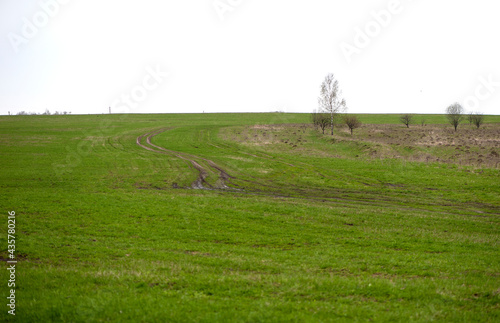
203	171
211	176
206	167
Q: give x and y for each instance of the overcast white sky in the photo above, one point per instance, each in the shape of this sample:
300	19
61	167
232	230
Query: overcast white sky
248	55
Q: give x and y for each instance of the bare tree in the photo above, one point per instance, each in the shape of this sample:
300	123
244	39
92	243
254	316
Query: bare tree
352	122
321	120
406	119
330	99
423	120
455	114
477	119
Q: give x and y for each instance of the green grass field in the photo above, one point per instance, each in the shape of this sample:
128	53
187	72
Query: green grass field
250	218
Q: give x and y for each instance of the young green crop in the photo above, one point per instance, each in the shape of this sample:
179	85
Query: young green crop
311	228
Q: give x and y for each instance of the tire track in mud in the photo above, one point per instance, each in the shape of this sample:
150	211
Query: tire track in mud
203	172
258	185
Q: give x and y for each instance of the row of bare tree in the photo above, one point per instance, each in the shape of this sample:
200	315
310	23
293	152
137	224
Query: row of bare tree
454	114
323	120
332	108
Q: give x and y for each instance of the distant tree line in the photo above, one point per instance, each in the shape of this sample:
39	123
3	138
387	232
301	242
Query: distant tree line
46	113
